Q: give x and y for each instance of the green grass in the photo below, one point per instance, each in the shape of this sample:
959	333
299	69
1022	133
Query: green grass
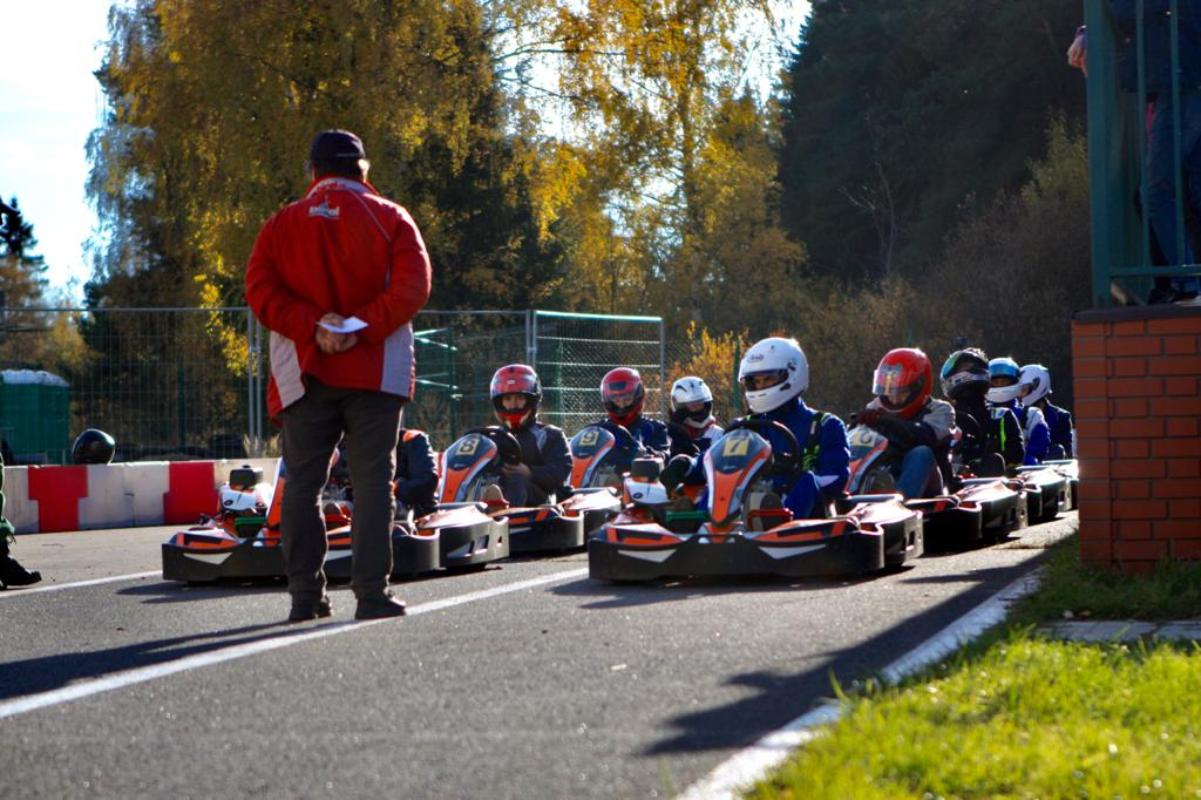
1173	591
1020	716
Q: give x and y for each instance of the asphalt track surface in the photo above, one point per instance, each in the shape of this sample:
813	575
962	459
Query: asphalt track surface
525	680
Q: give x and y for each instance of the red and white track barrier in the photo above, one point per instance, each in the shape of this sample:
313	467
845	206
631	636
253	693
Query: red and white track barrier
46	499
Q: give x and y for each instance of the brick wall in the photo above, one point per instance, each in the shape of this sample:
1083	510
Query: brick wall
1137	374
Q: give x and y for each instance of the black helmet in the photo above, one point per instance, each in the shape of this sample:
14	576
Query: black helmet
93	447
965	372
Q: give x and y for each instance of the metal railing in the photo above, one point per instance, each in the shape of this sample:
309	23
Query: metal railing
1122	235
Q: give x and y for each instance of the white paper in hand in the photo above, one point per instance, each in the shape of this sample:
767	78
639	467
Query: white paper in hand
349	325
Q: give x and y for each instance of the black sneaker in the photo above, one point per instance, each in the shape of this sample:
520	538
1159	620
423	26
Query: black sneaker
13	574
379	606
305	609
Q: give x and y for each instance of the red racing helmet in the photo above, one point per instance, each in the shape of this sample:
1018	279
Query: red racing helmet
519	379
903	380
622	394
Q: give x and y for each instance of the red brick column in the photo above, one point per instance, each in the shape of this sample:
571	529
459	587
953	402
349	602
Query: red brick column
1136	374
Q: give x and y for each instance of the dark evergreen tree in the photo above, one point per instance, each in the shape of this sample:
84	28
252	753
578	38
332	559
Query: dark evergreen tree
901	116
22	272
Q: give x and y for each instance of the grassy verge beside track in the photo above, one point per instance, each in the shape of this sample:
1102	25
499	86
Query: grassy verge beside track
1019	715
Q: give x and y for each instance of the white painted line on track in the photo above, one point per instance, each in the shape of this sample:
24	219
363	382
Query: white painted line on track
730	778
962	631
118	680
54	587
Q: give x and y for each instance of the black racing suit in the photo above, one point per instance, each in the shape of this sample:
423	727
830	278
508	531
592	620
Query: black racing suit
544	450
986	431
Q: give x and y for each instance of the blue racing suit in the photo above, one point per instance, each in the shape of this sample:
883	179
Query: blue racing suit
1063	432
1035	429
825	458
416	472
1038	434
650	434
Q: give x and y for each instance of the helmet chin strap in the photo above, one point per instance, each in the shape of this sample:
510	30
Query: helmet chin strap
701	423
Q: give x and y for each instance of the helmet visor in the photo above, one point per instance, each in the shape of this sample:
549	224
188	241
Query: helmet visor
621	400
758	381
895	385
513	401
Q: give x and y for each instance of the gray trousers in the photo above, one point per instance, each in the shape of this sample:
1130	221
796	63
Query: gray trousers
312	427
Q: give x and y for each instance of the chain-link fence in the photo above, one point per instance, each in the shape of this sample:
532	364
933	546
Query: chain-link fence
165	382
190	383
457	352
572	352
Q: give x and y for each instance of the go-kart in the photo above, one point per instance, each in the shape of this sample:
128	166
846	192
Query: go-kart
600	455
471	465
1069	468
241	541
743	530
1047	491
976	510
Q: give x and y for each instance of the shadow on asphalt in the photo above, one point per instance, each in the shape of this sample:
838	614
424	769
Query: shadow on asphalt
176	592
171	592
623	595
773	702
982	575
34	675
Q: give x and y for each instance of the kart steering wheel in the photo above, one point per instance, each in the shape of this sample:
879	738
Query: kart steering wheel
789	460
623	439
506	443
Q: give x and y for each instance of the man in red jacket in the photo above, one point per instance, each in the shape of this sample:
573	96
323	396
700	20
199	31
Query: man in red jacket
336	277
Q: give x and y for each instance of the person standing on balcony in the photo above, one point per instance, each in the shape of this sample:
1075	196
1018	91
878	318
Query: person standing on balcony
337	277
1161	176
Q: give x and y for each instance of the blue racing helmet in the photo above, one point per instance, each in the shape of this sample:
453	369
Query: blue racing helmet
1004	376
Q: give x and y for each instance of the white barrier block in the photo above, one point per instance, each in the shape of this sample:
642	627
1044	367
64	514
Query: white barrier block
127	494
146	483
109	503
18	508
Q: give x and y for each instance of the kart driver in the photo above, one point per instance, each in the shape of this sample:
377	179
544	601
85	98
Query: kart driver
1035	380
545	460
416	472
622	394
920	428
693	429
1005	387
692	411
992	437
774	373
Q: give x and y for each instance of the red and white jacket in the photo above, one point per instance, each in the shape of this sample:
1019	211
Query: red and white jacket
342	248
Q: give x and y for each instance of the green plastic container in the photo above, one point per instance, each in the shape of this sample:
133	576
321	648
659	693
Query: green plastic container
35	416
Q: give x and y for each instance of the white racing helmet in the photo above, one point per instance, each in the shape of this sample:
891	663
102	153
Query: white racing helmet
781	358
1035	381
686	391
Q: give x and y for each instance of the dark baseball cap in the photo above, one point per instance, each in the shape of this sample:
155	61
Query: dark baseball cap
334	145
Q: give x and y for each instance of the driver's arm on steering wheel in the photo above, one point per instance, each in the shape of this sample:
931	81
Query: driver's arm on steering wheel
658	443
552	474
